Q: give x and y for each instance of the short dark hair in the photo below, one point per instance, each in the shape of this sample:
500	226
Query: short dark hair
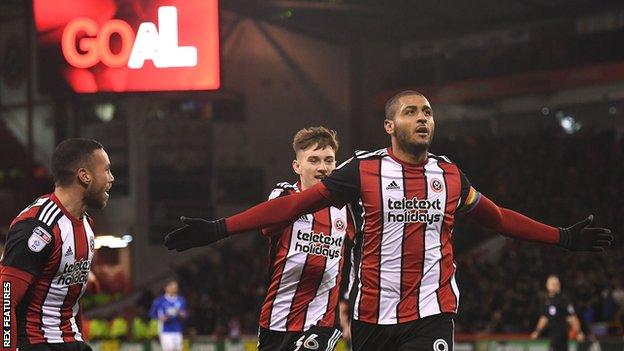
70	155
321	136
391	104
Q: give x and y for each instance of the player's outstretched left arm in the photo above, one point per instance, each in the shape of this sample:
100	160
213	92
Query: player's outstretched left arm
198	232
578	237
195	232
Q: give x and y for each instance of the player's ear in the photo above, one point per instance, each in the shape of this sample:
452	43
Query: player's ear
389	126
84	176
296	167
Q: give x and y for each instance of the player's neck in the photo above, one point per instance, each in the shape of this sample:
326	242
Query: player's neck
303	186
409	156
72	199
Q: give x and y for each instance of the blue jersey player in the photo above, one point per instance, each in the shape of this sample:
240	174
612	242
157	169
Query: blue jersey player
170	310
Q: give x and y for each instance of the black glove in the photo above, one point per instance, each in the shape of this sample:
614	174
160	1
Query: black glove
580	237
196	232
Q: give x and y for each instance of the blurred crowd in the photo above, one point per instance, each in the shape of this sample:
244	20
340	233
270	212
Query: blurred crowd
558	179
224	292
506	295
548	175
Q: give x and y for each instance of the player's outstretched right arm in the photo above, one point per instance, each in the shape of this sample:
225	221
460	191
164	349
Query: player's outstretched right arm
281	189
198	232
578	237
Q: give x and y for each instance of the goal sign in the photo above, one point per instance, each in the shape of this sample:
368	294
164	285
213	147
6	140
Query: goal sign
125	45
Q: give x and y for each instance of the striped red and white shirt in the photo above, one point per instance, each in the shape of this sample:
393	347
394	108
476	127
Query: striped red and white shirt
307	259
46	242
404	268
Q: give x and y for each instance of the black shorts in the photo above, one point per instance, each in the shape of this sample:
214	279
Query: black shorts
433	333
559	343
315	338
62	346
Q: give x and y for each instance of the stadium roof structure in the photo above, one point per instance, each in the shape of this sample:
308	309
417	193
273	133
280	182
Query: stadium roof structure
12	9
344	20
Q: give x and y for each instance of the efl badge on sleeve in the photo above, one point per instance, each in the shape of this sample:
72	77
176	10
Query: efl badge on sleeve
39	239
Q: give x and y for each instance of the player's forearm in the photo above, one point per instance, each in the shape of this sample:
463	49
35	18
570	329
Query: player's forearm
15	283
281	209
575	323
343	307
93	285
541	324
512	224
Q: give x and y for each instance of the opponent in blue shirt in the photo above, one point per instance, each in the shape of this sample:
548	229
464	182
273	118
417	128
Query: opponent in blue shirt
170	310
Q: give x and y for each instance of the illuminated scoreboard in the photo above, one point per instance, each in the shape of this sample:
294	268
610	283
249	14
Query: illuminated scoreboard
89	46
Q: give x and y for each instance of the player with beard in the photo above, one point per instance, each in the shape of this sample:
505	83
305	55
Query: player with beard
47	257
404	294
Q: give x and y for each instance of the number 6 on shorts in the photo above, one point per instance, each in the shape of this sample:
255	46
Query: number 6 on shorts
309	343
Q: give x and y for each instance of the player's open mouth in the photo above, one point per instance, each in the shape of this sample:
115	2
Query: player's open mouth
321	177
423	131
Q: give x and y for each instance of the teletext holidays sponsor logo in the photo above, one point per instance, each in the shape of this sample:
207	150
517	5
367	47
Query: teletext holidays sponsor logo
318	244
414	211
75	273
6	314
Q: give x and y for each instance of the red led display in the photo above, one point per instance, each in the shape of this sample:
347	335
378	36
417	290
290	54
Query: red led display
128	45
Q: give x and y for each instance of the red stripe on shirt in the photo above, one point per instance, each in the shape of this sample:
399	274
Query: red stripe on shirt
329	318
371	251
278	272
41	287
452	182
414	184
